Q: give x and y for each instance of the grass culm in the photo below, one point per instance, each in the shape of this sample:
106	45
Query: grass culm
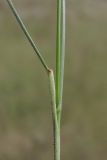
55	85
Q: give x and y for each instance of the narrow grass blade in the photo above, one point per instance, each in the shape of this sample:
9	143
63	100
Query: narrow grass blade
11	5
60	52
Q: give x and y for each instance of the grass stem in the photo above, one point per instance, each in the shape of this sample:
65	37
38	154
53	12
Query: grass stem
56	128
60	58
56	86
60	54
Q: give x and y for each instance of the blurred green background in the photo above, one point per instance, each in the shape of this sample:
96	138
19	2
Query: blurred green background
25	112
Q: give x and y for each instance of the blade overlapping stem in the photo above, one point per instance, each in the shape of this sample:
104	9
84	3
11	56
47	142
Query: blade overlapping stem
60	55
56	87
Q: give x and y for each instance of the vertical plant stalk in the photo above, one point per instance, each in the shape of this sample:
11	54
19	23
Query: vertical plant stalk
60	58
56	91
56	131
60	54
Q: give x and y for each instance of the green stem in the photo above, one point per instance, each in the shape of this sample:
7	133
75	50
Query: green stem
60	54
24	29
56	91
56	127
60	58
57	143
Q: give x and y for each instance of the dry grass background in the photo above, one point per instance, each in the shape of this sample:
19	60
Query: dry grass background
25	117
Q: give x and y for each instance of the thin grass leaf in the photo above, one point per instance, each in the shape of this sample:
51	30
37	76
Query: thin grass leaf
60	53
24	29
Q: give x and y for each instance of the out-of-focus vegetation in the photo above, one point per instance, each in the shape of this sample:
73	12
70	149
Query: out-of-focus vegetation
25	116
